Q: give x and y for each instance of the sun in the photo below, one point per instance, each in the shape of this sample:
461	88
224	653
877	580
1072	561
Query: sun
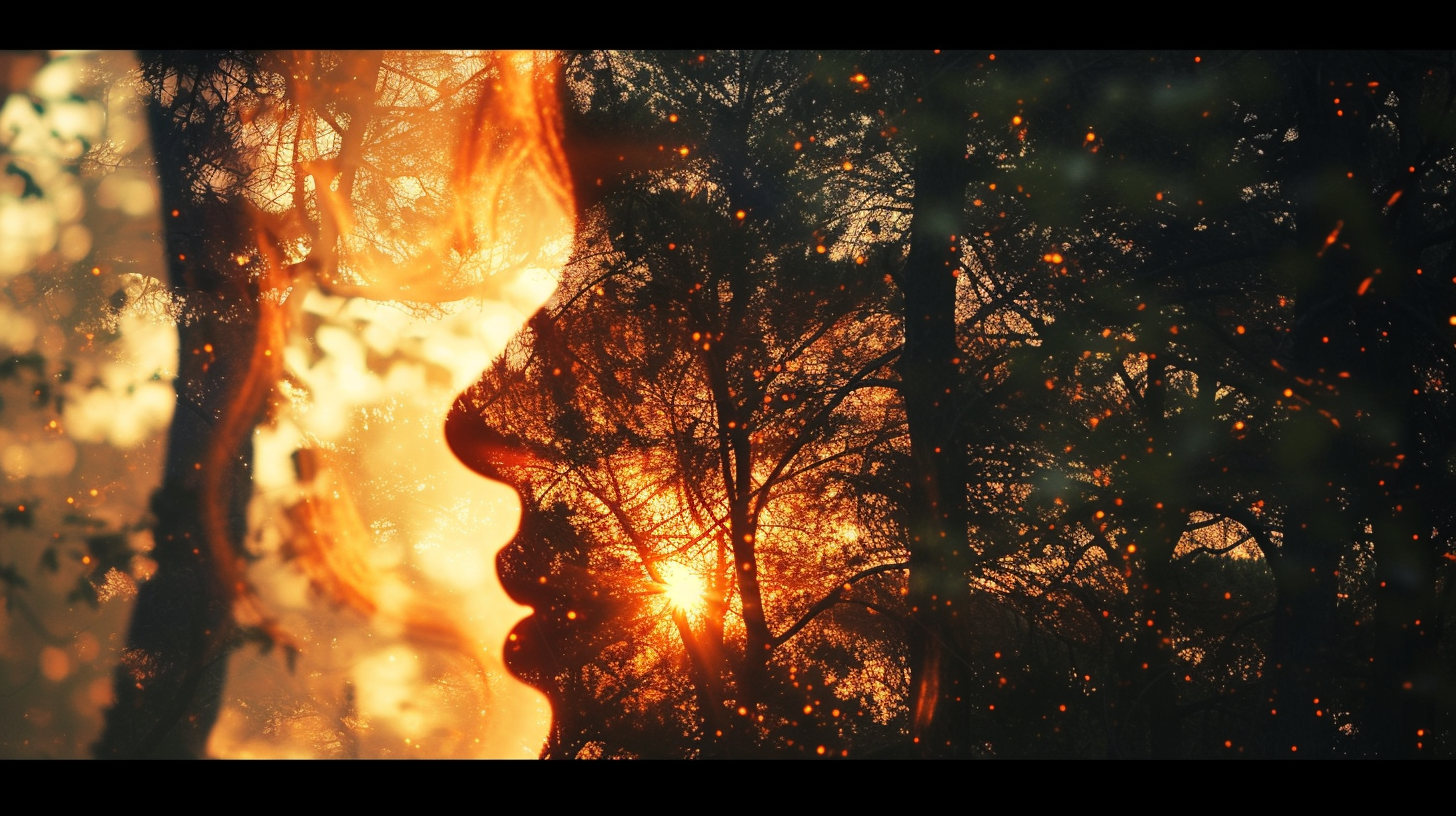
683	587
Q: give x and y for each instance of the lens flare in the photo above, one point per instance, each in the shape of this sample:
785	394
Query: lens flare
683	588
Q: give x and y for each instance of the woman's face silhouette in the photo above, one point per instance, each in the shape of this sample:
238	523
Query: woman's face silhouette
357	493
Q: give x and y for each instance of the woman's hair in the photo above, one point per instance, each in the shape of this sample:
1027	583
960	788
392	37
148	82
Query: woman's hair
323	144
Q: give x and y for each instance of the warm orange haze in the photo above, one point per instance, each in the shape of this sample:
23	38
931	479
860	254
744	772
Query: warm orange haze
727	404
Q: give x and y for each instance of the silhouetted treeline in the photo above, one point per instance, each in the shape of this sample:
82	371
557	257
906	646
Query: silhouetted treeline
1074	404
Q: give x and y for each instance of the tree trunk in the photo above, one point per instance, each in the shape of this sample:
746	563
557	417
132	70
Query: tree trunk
169	685
940	554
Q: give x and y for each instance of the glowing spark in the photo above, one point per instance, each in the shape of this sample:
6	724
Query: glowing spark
1331	238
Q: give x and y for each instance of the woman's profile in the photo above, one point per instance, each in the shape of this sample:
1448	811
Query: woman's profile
352	237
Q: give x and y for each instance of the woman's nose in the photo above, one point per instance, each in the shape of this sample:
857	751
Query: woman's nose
479	446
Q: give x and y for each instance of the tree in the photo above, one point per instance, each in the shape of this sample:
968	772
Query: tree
673	417
1143	270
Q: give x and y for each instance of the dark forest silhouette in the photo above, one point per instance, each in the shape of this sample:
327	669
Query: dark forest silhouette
1129	368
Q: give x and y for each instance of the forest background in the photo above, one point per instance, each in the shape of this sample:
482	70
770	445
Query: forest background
942	404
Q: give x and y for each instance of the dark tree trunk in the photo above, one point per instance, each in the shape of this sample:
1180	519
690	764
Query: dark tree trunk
940	554
169	686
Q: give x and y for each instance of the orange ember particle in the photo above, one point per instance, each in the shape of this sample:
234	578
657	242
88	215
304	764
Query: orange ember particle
1091	137
1364	286
1016	120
